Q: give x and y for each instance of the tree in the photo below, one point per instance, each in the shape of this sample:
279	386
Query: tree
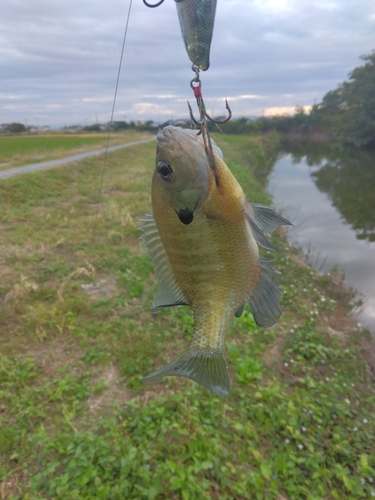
349	111
15	128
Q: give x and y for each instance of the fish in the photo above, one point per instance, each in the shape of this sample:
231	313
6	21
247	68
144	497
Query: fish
197	18
203	238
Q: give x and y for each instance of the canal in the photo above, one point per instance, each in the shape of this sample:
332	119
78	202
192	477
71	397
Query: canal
328	192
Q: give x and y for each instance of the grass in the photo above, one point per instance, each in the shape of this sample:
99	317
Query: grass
22	149
77	335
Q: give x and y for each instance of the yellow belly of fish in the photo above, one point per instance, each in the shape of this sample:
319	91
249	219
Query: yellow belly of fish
210	261
215	259
216	265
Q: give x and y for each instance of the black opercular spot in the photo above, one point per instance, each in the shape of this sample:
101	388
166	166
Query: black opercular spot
185	215
165	170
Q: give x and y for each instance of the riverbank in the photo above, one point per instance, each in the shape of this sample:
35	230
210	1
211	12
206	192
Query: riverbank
77	335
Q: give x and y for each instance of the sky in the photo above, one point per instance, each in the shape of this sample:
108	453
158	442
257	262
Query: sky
59	59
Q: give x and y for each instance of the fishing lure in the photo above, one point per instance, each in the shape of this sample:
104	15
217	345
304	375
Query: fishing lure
197	18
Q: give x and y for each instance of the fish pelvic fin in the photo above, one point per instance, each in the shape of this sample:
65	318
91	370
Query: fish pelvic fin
206	367
264	299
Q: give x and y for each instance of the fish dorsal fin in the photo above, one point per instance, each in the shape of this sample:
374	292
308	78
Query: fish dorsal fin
207	368
169	292
264	299
263	220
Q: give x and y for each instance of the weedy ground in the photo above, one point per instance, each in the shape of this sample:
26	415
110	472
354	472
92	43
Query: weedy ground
22	149
77	335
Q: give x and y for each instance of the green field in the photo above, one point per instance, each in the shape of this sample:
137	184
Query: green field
22	149
77	335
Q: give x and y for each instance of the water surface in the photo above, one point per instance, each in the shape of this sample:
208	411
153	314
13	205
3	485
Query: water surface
329	195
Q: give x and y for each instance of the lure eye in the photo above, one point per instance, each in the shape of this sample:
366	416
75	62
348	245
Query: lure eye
165	170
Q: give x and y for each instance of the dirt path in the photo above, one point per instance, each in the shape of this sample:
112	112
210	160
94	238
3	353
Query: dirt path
25	169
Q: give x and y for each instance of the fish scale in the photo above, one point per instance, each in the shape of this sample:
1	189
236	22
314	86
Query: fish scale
198	266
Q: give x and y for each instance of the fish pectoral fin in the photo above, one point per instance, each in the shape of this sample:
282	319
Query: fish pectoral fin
169	292
267	218
264	299
258	234
207	368
263	220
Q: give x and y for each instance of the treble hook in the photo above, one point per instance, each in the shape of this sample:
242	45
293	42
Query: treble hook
204	115
156	4
195	84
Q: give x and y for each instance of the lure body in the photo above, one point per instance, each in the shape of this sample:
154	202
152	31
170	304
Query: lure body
197	19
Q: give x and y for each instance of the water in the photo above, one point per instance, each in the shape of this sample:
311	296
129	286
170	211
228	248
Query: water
329	195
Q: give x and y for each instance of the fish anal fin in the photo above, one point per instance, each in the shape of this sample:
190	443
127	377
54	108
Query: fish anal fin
206	367
264	299
169	292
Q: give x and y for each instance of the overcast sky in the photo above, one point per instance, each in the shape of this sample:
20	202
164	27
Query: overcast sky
59	58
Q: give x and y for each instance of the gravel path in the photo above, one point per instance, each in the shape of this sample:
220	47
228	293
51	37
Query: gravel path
25	169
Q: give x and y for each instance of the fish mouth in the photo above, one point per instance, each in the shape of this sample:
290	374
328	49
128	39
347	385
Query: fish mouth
186	215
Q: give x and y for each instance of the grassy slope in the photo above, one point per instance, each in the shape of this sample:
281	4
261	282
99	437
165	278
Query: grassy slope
297	425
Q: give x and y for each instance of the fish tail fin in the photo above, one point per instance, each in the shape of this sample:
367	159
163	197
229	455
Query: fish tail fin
206	367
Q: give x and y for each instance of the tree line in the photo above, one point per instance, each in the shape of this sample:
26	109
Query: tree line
347	113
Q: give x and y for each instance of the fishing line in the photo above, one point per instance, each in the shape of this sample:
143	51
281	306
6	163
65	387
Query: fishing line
39	461
109	132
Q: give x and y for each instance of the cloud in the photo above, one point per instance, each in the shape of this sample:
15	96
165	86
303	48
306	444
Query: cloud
59	60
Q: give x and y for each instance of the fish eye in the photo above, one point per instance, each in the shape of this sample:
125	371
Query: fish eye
165	170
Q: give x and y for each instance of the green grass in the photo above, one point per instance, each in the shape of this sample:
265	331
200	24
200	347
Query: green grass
19	150
75	419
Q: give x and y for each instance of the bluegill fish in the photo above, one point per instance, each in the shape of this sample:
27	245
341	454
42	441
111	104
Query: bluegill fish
197	19
202	239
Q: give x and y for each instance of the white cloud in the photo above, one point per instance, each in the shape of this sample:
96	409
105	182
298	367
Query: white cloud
151	109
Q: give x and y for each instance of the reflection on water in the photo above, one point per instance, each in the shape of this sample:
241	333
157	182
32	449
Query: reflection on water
329	194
